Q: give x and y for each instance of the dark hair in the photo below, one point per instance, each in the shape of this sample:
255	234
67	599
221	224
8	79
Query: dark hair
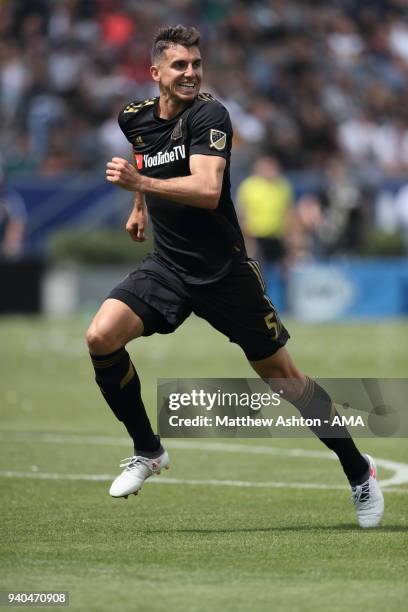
173	35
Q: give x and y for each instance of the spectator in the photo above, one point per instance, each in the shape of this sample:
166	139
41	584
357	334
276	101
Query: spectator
401	209
13	218
302	80
341	229
264	202
332	221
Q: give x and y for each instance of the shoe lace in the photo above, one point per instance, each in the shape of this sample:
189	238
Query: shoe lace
361	493
130	463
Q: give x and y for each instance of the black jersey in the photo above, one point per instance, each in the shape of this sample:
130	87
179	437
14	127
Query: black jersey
199	244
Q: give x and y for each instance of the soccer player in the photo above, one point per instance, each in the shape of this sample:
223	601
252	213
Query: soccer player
181	143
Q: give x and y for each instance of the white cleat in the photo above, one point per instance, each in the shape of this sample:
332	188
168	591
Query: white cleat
137	470
368	499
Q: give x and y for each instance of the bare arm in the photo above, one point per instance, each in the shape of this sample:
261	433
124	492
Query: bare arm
201	189
137	221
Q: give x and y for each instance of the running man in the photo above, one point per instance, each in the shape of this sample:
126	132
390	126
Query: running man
181	143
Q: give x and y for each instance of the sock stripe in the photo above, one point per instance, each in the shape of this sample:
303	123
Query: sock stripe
105	361
117	378
128	377
305	398
100	365
315	400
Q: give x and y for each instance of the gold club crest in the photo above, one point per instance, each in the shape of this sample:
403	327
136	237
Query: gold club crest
218	140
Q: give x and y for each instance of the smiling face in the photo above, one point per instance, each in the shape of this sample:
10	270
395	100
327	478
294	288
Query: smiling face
179	73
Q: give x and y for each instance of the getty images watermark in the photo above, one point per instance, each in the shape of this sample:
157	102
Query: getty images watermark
253	408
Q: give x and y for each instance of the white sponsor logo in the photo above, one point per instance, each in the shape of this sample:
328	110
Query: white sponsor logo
167	157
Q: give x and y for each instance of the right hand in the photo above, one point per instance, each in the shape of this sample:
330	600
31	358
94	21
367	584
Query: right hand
136	224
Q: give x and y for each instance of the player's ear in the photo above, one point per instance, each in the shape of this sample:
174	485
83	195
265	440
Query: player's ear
155	73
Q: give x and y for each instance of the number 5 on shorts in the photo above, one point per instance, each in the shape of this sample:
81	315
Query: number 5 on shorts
271	323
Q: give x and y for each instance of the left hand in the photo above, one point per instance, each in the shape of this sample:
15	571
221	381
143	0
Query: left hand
136	224
121	173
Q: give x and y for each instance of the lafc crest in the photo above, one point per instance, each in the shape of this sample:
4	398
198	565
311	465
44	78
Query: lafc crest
218	140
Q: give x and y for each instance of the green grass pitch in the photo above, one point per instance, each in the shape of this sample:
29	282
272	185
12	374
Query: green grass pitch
197	545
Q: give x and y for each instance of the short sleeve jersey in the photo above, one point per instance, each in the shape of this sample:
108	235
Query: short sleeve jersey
200	244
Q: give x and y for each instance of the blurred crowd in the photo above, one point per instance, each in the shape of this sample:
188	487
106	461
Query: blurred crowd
312	86
303	80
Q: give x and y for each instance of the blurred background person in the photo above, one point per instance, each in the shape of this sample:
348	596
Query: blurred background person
265	207
401	210
308	219
332	220
340	230
321	87
13	219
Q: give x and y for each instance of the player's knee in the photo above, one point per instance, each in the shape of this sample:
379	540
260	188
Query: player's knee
101	339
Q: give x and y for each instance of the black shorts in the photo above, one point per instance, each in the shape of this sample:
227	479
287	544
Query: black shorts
237	305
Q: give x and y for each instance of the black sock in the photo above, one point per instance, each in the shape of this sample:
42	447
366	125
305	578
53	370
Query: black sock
120	386
316	403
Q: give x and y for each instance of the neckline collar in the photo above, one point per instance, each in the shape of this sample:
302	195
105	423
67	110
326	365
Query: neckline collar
177	116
